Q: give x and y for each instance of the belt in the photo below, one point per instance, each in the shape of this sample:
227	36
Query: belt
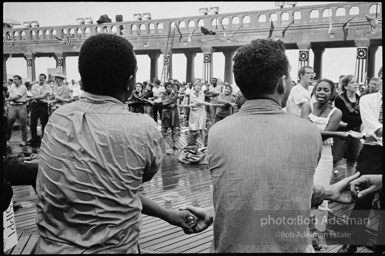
39	103
17	103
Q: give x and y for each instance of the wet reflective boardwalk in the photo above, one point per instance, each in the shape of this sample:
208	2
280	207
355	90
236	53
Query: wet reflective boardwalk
174	185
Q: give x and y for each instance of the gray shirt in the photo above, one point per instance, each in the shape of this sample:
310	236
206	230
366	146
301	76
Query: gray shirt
93	158
262	161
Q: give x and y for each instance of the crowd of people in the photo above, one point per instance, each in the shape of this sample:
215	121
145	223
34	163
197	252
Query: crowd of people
35	101
271	149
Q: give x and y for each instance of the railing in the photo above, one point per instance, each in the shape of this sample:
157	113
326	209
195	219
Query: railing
305	15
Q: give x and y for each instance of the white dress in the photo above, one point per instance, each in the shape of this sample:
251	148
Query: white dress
324	170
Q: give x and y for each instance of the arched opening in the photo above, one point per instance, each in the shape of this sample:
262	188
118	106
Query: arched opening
341	12
327	13
314	14
285	16
297	15
262	18
246	20
354	10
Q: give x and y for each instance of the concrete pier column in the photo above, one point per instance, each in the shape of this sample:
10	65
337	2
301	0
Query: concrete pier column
207	63
167	65
303	59
154	65
190	66
372	61
361	59
318	52
30	58
228	77
60	62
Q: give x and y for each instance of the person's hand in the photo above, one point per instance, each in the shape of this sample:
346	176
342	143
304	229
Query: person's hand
356	135
184	219
343	124
366	184
205	217
340	192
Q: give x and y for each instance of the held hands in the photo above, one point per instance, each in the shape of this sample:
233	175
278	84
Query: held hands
366	184
184	219
340	191
205	217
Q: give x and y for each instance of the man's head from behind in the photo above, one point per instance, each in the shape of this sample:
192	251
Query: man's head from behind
259	66
107	65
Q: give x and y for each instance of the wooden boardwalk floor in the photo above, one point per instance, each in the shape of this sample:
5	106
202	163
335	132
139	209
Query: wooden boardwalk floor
173	186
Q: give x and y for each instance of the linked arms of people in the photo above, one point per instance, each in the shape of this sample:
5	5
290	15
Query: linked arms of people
339	192
182	218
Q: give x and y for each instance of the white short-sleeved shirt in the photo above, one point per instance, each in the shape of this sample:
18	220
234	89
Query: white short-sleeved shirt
297	97
158	93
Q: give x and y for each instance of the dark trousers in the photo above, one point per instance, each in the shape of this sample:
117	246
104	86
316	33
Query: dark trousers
18	172
158	107
38	111
369	162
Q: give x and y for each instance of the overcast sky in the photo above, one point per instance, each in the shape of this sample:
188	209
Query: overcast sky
336	61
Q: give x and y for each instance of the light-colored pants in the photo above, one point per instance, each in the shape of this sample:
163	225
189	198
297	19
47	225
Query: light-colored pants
19	112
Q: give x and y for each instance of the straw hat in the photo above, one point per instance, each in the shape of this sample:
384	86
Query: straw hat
59	75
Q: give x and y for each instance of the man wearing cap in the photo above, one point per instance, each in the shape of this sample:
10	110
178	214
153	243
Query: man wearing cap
17	108
61	92
39	108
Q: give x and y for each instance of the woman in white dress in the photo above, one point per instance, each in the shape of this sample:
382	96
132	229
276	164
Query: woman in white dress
327	118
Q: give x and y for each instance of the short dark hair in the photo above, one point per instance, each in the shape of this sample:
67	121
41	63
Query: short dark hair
302	70
332	85
18	77
259	66
106	62
345	81
168	83
42	74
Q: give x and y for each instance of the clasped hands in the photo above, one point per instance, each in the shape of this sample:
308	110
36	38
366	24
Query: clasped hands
345	191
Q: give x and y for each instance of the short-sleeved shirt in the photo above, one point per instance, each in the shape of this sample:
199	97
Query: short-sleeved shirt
93	157
38	90
217	89
225	111
158	93
262	172
20	90
297	97
62	91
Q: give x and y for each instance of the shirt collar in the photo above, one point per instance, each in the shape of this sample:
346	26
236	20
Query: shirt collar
261	106
100	98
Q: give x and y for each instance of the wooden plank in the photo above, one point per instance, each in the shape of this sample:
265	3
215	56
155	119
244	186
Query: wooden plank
183	246
21	244
31	244
19	234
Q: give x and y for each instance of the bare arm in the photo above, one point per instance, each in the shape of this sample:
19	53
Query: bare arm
183	219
